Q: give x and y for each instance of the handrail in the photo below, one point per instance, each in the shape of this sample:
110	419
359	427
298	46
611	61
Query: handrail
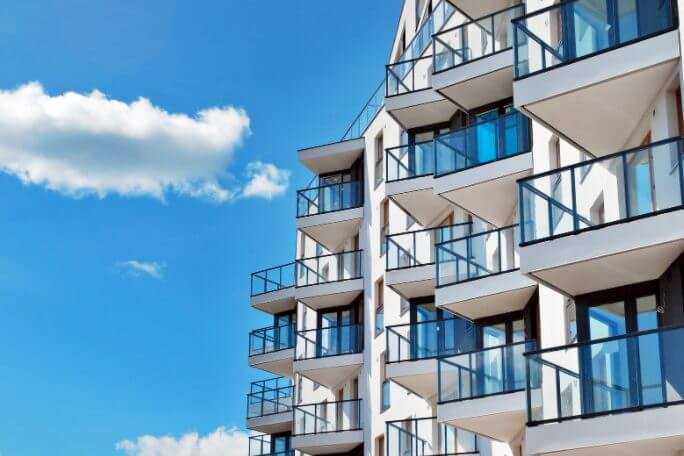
666	192
347	265
275	285
314	341
465	53
661	21
339	420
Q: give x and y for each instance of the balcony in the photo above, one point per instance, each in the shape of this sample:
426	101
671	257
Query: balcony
409	97
272	349
604	223
329	280
619	395
332	213
427	437
410	262
332	157
272	290
409	182
413	349
329	356
473	62
265	445
478	276
586	60
484	391
269	406
477	167
478	8
327	427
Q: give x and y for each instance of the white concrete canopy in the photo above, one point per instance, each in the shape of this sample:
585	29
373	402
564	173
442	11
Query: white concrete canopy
477	83
412	282
332	157
422	107
274	302
331	229
658	431
271	424
609	256
487	296
597	102
478	8
419	377
330	294
417	197
327	443
330	371
277	362
500	417
490	190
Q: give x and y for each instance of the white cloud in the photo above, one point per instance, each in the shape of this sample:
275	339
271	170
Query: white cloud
265	180
221	442
90	144
135	268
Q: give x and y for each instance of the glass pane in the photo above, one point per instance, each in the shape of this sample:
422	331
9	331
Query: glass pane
607	320
494	335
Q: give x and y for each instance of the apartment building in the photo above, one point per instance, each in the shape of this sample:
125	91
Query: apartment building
490	261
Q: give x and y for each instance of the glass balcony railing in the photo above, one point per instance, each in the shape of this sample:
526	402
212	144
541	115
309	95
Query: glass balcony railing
484	142
408	76
327	417
474	40
270	397
265	445
416	248
334	267
599	377
575	29
329	198
271	339
428	339
441	13
478	255
426	437
639	182
331	341
272	279
481	373
410	161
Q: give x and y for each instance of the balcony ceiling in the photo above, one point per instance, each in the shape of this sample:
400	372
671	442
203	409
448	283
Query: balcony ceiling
332	157
479	8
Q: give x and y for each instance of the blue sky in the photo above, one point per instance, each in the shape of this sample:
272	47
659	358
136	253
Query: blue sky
124	275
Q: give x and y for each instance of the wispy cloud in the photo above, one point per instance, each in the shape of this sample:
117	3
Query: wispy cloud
218	443
135	268
83	144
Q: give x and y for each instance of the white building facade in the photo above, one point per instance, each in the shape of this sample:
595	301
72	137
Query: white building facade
491	259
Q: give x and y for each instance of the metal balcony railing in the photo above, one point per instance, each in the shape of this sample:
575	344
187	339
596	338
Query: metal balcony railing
484	142
272	279
474	40
481	373
639	182
331	341
477	255
429	339
270	397
618	374
327	417
416	248
575	29
425	437
335	267
271	339
329	198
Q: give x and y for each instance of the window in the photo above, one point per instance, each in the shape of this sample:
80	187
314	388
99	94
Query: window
384	227
379	307
379	162
385	384
380	445
570	321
